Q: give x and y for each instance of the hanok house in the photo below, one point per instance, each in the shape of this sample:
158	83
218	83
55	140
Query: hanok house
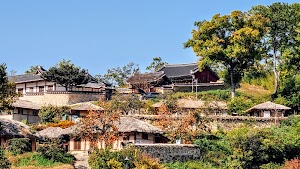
13	129
268	109
131	131
177	77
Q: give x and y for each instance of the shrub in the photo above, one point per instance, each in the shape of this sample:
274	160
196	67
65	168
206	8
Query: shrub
18	146
239	105
107	159
270	166
4	163
52	113
54	151
62	124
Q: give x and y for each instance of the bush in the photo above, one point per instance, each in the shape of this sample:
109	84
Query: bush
54	151
239	105
4	163
292	164
107	159
52	113
62	124
18	146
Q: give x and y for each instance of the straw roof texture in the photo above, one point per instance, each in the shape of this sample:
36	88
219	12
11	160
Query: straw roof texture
124	124
26	104
196	104
85	106
130	124
268	106
12	128
56	132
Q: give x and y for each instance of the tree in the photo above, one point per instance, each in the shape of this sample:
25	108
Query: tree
156	64
32	69
52	113
7	90
233	40
126	104
66	74
281	35
99	126
117	76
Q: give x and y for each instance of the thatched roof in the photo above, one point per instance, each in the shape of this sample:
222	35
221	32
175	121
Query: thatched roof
12	128
268	106
124	124
56	132
26	104
196	104
130	124
85	106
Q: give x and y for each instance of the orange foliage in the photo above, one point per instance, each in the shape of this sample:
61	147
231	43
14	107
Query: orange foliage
99	126
62	124
185	127
292	164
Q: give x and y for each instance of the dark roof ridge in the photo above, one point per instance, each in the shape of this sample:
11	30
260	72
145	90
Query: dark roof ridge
180	64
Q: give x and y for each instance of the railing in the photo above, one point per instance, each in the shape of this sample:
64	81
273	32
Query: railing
63	92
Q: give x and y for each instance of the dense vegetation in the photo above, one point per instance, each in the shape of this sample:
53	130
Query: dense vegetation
247	148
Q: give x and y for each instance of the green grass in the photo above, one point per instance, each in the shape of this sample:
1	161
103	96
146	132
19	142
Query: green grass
31	159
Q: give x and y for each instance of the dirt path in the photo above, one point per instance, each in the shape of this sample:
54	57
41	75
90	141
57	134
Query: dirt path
81	160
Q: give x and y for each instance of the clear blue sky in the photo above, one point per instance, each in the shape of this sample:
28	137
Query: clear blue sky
97	35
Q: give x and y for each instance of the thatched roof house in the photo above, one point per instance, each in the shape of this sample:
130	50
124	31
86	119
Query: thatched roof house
13	129
268	109
56	132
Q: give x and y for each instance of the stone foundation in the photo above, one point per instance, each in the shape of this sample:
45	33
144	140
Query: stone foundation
171	152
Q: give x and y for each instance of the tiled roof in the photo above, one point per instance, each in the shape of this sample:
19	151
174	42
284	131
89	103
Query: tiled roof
145	77
25	78
178	70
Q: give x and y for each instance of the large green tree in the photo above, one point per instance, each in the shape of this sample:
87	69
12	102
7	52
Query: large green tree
156	64
32	69
118	75
7	90
67	74
281	35
233	40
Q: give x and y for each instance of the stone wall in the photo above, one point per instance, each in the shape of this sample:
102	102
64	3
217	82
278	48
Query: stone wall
61	98
171	152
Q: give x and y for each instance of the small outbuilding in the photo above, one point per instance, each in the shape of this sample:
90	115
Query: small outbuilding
268	109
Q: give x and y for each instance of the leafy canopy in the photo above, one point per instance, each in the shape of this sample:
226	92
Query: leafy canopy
156	64
7	90
233	40
67	74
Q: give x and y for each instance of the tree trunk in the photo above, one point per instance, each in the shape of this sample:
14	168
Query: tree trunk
232	83
275	73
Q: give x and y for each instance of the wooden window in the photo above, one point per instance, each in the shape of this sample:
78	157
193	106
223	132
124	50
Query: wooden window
41	88
145	136
20	111
50	88
77	144
31	89
20	91
35	112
